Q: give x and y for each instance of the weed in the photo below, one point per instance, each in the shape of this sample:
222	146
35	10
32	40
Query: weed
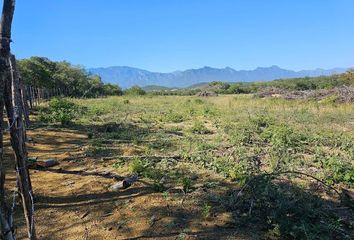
182	236
138	166
158	186
95	151
166	195
337	170
186	184
253	140
199	128
117	165
198	101
173	116
206	210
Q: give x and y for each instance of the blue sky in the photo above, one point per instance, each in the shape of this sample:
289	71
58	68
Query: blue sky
168	35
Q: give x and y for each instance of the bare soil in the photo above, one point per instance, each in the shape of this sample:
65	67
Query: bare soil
73	200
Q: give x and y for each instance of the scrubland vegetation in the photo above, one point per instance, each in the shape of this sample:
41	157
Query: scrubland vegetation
65	79
276	86
283	167
274	156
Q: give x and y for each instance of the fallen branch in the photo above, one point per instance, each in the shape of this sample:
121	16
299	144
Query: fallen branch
282	173
127	182
307	175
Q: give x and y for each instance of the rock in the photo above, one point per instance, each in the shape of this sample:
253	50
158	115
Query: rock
47	163
153	220
117	186
68	183
118	203
207	94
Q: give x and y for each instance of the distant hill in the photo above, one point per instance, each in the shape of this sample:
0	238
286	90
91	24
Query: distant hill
151	88
128	76
199	85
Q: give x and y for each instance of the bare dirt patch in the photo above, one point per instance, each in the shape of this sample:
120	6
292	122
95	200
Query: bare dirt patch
73	200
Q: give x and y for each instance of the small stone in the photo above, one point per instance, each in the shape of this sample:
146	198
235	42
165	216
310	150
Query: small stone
116	186
68	183
194	177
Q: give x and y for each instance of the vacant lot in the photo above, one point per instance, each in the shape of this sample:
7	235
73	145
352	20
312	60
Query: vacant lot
226	167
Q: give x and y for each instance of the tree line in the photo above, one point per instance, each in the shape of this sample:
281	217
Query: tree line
293	84
44	78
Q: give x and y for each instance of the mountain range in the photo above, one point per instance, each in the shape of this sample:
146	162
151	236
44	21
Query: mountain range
126	77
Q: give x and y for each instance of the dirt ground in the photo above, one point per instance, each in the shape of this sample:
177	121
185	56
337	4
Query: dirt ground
73	200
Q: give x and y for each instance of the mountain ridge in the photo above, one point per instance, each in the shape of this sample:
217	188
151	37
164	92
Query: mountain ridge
126	76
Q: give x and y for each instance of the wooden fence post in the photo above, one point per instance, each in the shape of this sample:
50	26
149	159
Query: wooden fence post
12	99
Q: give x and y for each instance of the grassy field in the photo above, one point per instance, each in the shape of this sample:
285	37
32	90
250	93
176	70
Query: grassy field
228	163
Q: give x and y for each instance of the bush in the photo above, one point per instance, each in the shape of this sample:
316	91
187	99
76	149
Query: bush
135	91
199	128
112	90
60	110
144	169
286	211
173	117
138	166
186	184
337	171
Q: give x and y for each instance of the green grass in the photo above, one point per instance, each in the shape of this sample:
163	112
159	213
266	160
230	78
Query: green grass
284	134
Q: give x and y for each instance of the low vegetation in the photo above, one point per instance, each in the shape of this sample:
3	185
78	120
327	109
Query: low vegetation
288	163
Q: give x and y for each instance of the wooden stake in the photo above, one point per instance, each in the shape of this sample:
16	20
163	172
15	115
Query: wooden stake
12	99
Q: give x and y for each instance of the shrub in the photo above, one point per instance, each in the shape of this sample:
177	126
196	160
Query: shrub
173	117
280	136
337	170
60	110
138	166
206	211
198	101
135	91
199	128
144	168
186	184
285	210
